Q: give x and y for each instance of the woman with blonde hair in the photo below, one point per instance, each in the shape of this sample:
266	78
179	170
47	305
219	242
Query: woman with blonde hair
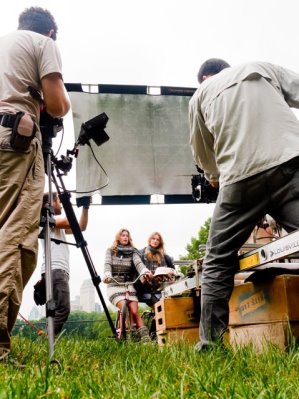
122	260
154	257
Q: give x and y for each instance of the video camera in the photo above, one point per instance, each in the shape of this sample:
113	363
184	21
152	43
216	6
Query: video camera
202	191
94	129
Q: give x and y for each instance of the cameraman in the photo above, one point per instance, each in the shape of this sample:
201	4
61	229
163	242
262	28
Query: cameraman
244	135
60	258
29	57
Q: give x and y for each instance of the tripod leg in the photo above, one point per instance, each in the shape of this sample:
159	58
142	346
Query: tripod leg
81	243
50	304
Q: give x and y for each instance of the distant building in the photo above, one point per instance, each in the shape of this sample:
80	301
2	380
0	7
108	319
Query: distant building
87	296
75	303
86	300
98	308
37	313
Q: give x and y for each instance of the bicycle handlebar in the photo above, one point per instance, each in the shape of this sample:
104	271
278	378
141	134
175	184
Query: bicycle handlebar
128	282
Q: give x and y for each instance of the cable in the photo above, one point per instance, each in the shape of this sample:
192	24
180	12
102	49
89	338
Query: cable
98	188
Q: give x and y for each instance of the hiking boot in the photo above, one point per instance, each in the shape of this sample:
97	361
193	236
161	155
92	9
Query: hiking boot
143	334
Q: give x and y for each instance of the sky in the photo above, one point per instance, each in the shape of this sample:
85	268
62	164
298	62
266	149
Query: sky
154	43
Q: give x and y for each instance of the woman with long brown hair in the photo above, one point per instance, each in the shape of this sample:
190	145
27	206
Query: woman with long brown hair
154	257
121	262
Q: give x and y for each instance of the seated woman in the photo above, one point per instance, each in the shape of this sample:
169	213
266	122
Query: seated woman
154	257
121	261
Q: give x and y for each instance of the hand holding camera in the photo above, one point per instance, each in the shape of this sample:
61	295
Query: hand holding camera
84	201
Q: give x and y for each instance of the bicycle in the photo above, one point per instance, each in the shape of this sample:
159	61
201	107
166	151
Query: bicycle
124	324
163	276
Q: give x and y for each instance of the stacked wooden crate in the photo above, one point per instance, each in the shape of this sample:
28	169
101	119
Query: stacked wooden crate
265	312
177	320
260	313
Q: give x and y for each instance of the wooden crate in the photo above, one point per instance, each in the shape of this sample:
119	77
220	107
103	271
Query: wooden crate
175	313
273	301
175	336
259	336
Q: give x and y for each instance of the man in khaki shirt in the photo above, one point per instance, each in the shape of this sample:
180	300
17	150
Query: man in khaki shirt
245	137
29	59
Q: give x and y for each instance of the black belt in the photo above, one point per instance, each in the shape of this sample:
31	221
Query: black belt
7	120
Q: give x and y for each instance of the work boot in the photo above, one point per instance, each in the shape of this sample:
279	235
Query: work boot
143	334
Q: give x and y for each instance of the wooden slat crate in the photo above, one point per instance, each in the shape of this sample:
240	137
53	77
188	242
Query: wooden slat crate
175	312
275	300
260	335
175	336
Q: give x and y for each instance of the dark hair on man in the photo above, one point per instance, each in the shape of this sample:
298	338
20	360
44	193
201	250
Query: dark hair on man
211	67
38	20
46	198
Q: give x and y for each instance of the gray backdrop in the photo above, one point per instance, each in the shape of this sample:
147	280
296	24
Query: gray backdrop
148	151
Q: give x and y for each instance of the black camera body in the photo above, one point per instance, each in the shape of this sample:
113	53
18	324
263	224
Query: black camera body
49	128
202	191
48	125
94	129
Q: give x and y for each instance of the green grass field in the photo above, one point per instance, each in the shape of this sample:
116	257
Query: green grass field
109	369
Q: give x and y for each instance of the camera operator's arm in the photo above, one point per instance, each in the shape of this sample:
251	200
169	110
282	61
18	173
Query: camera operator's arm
202	143
55	97
63	223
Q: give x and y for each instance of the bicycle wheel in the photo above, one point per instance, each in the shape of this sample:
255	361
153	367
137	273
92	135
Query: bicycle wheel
124	321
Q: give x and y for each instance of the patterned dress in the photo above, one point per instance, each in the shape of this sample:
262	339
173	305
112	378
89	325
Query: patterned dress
121	266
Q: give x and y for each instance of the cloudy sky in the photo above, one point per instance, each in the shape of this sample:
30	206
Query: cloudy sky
157	42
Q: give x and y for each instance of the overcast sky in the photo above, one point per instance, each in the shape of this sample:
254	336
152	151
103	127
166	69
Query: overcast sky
157	42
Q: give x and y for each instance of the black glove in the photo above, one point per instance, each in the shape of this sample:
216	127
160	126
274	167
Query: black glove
83	201
39	294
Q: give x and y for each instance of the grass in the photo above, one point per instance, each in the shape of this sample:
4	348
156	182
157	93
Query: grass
109	369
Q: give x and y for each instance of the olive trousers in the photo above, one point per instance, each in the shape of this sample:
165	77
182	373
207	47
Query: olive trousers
21	192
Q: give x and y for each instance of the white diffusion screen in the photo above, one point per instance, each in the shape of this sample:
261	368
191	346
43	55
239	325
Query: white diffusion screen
148	151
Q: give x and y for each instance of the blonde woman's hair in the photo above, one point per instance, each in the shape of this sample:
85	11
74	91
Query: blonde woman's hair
116	241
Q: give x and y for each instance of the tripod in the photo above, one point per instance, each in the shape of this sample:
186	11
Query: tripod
51	165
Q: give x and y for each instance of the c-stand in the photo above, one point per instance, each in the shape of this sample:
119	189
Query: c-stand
46	222
64	197
52	164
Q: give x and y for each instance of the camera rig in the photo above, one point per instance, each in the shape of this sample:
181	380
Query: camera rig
92	129
202	191
49	127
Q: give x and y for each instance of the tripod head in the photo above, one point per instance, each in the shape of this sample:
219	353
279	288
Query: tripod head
49	128
92	129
